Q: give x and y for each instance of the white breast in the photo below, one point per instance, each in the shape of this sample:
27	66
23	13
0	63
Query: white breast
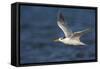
71	42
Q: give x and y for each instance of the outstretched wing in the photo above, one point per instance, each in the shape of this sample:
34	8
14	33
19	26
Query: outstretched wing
64	27
77	35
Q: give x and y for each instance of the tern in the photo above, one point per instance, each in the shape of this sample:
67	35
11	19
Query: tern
70	38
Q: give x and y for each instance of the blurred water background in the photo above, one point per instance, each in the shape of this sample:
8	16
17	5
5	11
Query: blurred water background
38	29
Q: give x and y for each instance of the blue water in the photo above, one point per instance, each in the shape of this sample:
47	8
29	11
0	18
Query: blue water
38	29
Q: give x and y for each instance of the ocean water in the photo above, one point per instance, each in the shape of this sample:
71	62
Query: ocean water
38	29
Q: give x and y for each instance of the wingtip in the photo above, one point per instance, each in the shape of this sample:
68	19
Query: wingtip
60	17
60	13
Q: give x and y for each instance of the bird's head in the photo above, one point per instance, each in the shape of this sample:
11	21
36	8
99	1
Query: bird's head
58	40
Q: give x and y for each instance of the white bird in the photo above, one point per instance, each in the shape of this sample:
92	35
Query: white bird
71	38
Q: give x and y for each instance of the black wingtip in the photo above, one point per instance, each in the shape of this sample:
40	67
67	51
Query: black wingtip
60	16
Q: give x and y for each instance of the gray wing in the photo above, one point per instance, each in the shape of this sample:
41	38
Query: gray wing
77	35
64	27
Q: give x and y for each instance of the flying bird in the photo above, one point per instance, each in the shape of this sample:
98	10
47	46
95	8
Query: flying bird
70	38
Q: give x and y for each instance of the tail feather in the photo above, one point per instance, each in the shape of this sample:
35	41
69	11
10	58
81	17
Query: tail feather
82	43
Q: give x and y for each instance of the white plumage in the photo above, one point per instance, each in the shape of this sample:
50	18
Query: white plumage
70	37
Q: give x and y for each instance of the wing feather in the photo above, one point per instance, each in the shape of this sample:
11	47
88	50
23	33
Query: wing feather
64	27
77	35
